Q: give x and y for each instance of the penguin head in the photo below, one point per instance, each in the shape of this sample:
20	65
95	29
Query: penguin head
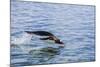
55	39
61	44
58	41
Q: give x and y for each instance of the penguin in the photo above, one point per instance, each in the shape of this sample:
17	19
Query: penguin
49	36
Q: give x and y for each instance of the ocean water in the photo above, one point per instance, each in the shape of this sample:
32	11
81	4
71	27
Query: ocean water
72	24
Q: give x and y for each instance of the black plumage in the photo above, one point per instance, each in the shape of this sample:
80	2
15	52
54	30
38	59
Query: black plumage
41	33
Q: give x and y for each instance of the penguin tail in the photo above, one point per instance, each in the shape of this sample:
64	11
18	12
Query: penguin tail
29	32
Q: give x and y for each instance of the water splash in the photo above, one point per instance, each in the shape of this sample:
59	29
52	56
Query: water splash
20	41
23	39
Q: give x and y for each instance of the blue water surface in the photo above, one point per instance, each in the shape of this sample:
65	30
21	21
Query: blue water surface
73	24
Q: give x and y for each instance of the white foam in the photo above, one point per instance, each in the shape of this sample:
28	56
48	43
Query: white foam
23	39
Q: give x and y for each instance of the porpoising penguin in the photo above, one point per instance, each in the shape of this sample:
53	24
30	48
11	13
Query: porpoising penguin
49	36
